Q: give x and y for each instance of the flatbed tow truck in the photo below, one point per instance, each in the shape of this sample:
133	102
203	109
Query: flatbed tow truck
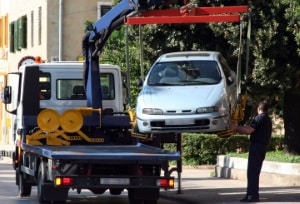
62	144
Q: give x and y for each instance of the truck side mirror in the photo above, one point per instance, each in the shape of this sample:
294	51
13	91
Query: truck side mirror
6	98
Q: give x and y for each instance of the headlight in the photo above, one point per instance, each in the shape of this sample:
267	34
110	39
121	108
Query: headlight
207	109
152	111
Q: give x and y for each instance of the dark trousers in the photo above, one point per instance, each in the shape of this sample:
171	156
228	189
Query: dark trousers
257	153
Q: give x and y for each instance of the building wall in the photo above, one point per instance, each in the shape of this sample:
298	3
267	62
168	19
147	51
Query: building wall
17	9
4	18
63	42
3	36
75	15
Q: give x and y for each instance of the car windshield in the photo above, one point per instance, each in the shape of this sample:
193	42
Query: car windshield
180	73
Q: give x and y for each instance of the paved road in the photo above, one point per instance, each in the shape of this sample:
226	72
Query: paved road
198	187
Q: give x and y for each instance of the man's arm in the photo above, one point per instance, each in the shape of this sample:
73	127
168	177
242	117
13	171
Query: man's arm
242	129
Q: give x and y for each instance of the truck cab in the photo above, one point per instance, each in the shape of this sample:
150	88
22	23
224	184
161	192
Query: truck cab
60	86
57	86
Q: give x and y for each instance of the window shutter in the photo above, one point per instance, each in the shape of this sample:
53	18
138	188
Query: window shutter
11	37
19	29
16	37
23	32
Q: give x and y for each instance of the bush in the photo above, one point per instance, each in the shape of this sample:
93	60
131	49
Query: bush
202	149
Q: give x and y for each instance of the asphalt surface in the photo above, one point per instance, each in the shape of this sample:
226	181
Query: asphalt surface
199	186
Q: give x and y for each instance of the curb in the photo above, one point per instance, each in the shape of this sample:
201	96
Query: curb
5	160
273	173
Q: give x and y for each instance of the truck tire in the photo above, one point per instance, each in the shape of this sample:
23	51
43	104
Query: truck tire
40	183
46	192
150	202
141	196
17	176
23	186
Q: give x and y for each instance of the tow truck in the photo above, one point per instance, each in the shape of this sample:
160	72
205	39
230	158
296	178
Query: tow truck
63	144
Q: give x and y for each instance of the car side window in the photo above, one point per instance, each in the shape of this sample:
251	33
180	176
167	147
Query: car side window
226	70
208	69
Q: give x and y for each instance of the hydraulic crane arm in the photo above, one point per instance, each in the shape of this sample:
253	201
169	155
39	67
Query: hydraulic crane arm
92	44
95	38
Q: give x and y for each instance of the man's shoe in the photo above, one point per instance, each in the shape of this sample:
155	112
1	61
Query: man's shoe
249	199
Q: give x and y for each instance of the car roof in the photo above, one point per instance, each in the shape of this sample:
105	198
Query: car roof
189	55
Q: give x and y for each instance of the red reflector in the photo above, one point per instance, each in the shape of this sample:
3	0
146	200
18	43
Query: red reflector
63	181
164	183
67	181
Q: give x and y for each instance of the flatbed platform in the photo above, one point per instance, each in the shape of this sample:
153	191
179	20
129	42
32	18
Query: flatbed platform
105	153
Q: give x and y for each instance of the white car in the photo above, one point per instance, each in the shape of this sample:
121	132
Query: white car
192	91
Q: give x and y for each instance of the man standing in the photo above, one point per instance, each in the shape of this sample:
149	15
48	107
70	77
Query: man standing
260	131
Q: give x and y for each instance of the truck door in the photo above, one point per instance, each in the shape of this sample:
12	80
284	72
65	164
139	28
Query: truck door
30	91
11	95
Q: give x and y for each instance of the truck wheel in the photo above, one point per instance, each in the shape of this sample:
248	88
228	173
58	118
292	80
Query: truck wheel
134	196
46	192
142	201
132	199
24	186
17	176
41	182
14	164
150	202
115	191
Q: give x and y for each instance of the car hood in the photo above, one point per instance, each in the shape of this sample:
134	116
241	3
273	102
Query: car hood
183	97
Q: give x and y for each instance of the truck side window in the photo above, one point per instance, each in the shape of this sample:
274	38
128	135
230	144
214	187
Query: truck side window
78	92
67	89
73	89
45	86
107	86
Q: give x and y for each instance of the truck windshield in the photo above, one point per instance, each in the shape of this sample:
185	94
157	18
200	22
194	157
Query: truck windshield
45	86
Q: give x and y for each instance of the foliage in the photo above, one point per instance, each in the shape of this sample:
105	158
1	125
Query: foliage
273	72
282	156
199	149
292	14
118	52
278	156
274	49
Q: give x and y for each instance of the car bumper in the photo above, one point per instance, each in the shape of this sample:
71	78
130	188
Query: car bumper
183	123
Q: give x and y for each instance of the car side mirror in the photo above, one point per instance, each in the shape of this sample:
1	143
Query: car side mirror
140	82
230	80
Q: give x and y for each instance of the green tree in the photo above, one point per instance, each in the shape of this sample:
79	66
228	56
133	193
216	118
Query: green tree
293	16
273	61
118	52
292	95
